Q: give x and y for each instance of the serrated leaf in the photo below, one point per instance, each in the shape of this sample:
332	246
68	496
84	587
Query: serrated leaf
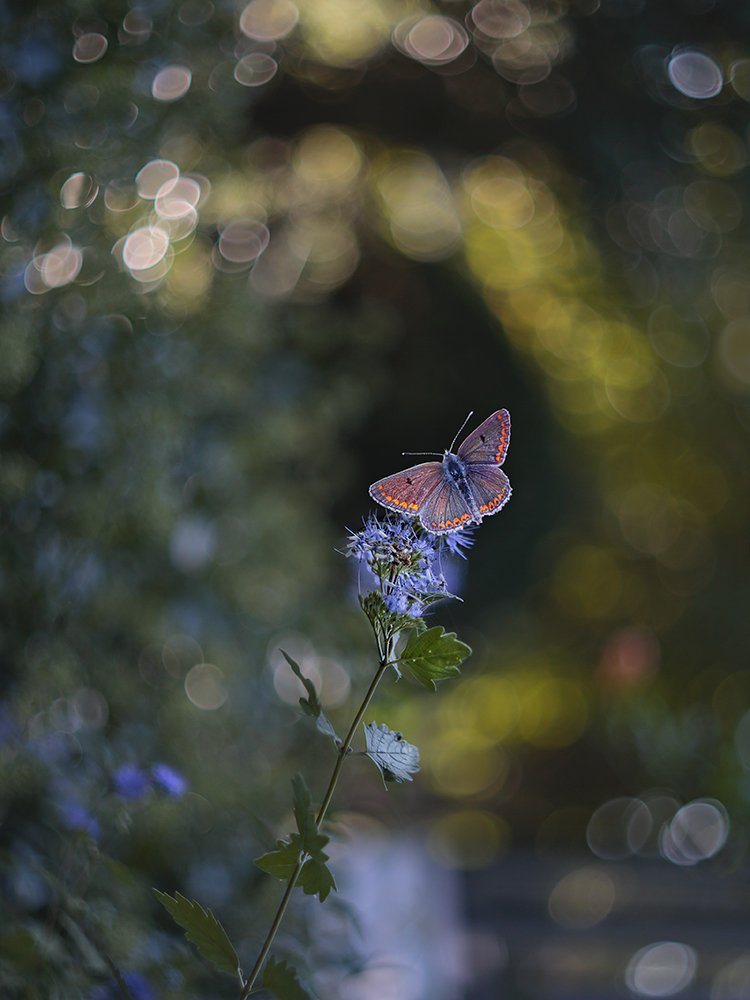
396	758
281	863
204	930
281	980
303	813
316	878
311	839
433	655
311	706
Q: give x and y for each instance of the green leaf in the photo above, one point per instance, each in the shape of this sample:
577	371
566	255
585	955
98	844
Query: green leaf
316	877
433	655
325	727
396	758
281	863
303	810
281	980
311	706
312	841
204	930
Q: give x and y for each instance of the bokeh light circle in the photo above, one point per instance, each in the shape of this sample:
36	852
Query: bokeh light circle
171	83
695	74
661	970
698	831
177	197
153	175
89	47
618	828
582	899
204	686
61	265
78	191
734	349
144	247
242	241
435	40
500	18
268	20
255	69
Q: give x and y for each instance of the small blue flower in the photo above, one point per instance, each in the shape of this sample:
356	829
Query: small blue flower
456	541
130	781
169	780
404	560
391	541
401	602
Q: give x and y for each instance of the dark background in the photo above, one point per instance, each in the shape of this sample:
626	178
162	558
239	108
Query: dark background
183	450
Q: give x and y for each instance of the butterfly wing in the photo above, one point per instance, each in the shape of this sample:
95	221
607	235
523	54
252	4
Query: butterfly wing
488	444
489	487
445	509
407	491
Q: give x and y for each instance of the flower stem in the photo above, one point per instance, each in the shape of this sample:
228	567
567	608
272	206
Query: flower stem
343	753
345	747
272	932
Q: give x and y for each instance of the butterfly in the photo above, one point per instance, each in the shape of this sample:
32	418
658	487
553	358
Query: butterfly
460	490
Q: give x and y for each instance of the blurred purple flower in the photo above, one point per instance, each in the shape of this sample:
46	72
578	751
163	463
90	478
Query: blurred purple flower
136	983
169	780
51	748
76	817
9	728
130	781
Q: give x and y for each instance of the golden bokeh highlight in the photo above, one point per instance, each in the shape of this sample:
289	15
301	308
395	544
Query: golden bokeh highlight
460	765
346	32
417	204
553	713
582	899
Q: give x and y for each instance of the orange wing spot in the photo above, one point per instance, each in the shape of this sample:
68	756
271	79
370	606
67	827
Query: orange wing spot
491	504
503	441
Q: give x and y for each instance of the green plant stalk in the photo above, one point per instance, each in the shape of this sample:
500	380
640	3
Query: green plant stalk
343	753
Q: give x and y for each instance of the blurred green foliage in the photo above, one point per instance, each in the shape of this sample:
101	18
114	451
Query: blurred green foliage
248	254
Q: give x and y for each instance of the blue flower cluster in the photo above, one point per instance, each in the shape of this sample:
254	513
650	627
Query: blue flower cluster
133	782
406	561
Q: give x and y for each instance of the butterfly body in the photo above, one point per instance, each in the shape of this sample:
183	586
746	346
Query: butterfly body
462	489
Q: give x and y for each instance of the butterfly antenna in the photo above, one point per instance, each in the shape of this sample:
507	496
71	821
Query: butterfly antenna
438	453
468	418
